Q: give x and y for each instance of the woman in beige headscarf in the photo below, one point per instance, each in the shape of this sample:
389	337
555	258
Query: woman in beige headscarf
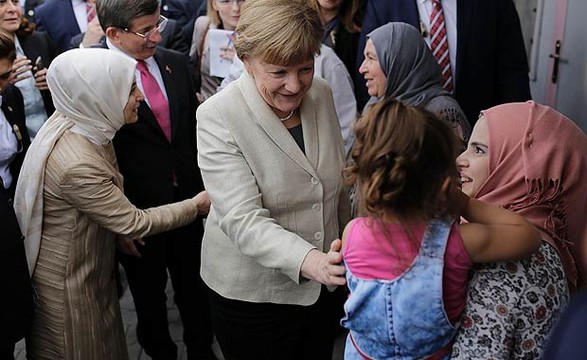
70	206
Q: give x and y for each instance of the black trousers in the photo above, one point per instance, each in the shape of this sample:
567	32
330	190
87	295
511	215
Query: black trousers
176	251
247	330
6	351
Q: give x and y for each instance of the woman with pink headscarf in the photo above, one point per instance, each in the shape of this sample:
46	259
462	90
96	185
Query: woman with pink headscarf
530	159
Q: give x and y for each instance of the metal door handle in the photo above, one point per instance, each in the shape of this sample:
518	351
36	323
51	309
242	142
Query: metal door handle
556	56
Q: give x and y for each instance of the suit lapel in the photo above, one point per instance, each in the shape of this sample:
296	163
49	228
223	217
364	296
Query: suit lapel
264	116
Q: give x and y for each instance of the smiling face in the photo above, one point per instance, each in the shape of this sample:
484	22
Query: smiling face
131	110
134	45
282	87
10	14
229	12
375	78
473	163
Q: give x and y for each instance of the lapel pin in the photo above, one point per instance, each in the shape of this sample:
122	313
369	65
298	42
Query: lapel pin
9	108
168	69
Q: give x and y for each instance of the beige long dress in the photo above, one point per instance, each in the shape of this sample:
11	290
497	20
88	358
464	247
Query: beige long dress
77	314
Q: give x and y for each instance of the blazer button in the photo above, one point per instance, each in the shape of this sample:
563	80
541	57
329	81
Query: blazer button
316	207
314	181
21	237
318	236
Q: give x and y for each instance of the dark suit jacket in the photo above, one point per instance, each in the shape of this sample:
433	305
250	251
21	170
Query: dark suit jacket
147	160
567	340
185	12
57	18
39	44
491	68
16	303
171	38
13	108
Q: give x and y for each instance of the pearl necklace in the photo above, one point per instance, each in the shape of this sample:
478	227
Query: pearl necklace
288	116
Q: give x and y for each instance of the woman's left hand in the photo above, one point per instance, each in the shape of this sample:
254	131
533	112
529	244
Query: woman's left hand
325	268
41	79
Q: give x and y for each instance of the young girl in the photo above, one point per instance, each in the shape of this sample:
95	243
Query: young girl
407	258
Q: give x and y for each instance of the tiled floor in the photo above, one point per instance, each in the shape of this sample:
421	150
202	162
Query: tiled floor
134	349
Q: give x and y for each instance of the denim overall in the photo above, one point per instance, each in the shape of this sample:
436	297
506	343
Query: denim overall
402	318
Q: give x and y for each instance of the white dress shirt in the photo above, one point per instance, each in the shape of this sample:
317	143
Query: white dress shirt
449	8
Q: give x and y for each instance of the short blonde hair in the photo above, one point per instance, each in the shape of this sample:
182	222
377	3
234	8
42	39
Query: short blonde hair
280	32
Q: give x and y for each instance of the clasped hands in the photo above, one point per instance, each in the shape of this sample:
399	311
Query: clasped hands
325	268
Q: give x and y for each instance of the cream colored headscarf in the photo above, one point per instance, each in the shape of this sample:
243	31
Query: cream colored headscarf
90	89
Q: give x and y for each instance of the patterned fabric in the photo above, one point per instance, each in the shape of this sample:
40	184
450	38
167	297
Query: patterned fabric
511	308
402	318
439	43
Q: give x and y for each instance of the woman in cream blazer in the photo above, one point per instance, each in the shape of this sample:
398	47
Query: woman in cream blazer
277	194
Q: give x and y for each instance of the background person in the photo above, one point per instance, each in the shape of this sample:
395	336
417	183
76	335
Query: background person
27	74
516	159
480	35
342	28
221	14
399	65
70	205
271	156
16	310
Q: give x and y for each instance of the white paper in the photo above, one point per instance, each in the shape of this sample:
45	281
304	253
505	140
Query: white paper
217	39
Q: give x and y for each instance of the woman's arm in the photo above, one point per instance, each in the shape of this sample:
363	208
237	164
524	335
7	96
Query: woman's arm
495	234
90	189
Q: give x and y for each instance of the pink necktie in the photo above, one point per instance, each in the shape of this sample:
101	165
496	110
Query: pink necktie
439	43
90	11
157	100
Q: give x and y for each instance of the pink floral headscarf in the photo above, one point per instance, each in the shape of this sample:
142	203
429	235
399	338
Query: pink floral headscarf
538	168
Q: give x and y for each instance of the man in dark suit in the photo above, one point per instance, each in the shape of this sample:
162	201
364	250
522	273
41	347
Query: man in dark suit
157	157
491	65
58	19
16	304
